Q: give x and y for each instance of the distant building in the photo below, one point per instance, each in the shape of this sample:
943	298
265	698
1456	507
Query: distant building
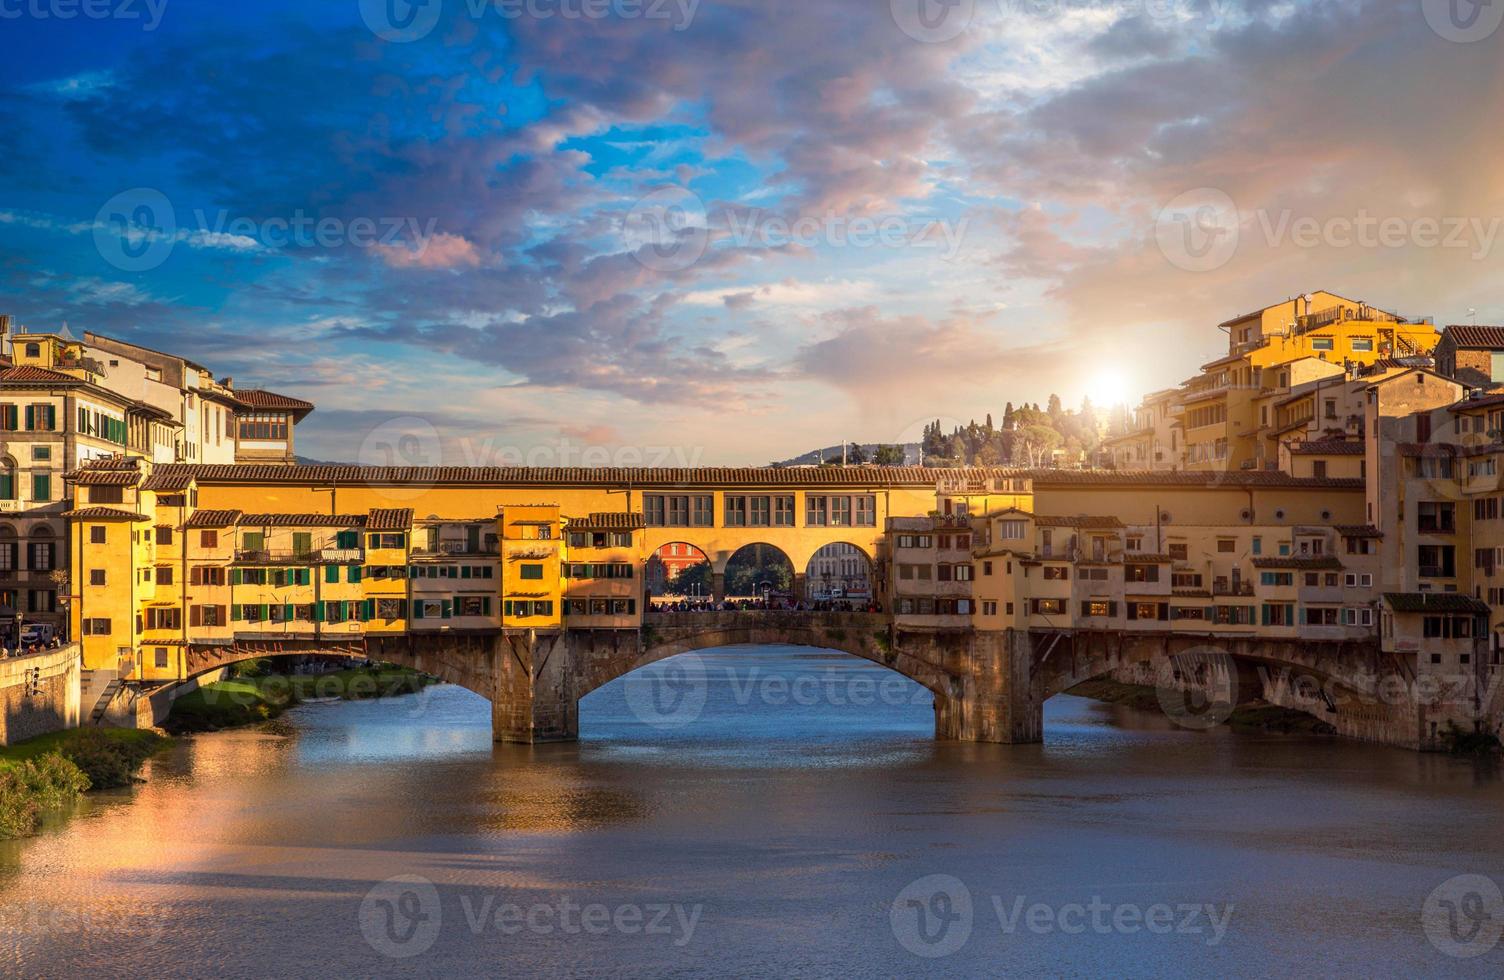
1472	355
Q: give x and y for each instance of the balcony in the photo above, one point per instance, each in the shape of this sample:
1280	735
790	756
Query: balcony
314	556
457	549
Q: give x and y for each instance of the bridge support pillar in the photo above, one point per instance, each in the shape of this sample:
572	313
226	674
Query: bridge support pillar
534	695
718	586
990	699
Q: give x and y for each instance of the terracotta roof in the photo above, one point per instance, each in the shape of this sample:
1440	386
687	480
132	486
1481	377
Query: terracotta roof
1475	337
212	519
1329	447
302	520
1423	602
103	478
1358	531
27	374
667	477
390	519
119	462
104	514
160	482
1140	558
1082	522
609	522
1487	401
271	401
1305	563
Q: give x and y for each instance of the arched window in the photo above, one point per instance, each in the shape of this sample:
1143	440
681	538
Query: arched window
7	479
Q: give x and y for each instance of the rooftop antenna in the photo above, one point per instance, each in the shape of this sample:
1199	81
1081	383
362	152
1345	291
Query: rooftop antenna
1472	316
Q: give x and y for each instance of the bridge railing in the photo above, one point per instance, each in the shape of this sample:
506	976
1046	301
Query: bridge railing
769	618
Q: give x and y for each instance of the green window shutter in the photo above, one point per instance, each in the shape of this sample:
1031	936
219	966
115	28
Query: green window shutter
7	486
31	418
265	613
465	572
448	607
485	605
287	613
235	613
354	575
331	574
417	609
51	418
305	576
318	612
41	488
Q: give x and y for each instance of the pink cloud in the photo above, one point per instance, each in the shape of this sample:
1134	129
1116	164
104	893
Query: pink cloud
442	251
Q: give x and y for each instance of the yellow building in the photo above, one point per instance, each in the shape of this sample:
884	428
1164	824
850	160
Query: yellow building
1238	410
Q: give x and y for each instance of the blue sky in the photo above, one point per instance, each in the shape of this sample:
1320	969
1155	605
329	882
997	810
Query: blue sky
724	232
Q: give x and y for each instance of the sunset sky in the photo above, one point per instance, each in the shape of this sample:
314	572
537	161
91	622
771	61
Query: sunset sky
987	187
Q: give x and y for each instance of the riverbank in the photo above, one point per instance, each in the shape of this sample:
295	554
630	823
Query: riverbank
1245	717
50	773
241	701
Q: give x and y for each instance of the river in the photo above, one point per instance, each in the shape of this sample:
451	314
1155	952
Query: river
796	819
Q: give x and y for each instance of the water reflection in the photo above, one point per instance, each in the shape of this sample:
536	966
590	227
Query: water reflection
792	823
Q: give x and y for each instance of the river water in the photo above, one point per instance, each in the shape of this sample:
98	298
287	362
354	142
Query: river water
795	819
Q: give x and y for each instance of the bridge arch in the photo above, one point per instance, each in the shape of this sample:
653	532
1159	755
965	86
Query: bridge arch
757	568
840	570
679	568
857	634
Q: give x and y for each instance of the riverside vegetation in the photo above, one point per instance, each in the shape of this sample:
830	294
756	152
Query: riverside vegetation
254	694
49	774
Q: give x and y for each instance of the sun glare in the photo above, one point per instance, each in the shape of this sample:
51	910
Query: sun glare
1110	388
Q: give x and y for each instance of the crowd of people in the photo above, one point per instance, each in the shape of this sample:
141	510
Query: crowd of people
11	648
694	605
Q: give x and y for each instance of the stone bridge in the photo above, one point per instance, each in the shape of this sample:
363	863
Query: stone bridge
988	686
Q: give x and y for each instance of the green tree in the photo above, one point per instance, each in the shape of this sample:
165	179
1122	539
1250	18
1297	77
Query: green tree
888	456
855	454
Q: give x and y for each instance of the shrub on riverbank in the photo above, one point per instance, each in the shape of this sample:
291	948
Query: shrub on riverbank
32	787
250	700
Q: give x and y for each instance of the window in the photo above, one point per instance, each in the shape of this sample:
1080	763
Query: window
1056	573
96	576
1437	561
164	535
533	572
1436	517
1179	552
1322	343
208	539
41	487
263	427
736	510
1012	530
1140	573
1362	344
97	534
96	627
1227	545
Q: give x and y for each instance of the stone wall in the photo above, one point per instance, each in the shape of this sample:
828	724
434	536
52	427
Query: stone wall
38	694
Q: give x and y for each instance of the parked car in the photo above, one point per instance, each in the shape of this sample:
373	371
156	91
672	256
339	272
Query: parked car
38	633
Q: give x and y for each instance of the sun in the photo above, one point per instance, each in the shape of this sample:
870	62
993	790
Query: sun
1110	388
